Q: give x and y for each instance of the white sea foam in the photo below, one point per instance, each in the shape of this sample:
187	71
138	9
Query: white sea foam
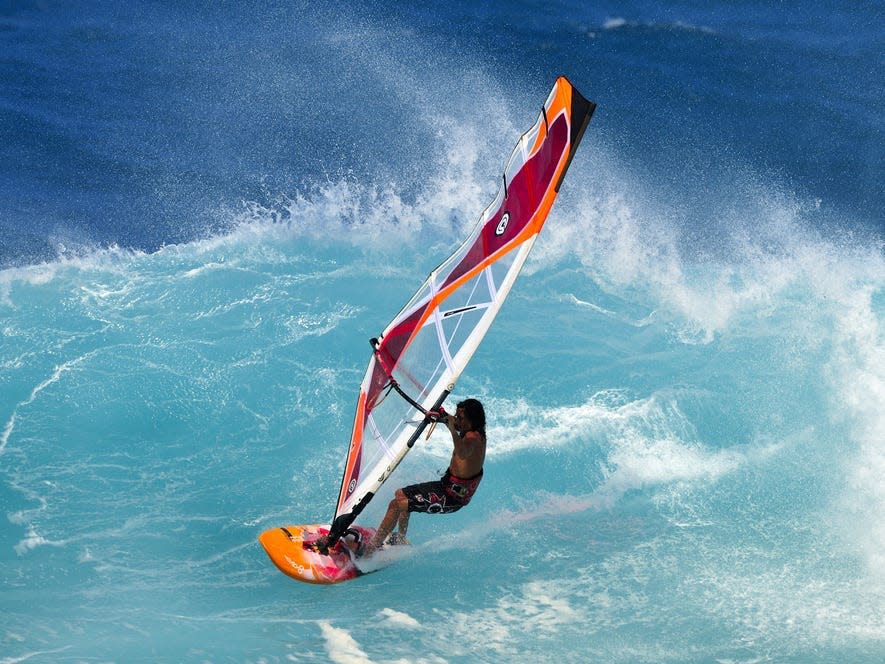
398	619
30	655
650	440
771	602
775	278
641	461
499	630
35	392
341	647
614	23
647	444
618	23
857	374
33	540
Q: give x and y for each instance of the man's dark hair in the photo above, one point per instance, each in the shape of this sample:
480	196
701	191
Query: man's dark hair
476	414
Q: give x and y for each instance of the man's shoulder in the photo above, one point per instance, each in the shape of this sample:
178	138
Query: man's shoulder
475	440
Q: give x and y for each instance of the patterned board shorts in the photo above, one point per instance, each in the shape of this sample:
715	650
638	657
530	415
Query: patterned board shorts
444	496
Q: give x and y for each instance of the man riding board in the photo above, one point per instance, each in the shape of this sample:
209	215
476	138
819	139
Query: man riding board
453	490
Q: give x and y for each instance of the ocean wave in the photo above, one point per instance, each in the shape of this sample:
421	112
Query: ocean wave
619	23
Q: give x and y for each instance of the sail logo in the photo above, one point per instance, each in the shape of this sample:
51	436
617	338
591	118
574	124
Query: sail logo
352	486
502	225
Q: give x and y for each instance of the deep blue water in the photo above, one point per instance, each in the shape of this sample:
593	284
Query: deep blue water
206	209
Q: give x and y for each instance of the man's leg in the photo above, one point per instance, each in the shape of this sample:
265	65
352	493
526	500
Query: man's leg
403	523
398	506
399	536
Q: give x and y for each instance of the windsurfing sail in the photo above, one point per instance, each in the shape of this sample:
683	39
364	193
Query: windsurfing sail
420	355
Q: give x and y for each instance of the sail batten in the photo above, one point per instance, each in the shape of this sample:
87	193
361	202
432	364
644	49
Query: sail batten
424	349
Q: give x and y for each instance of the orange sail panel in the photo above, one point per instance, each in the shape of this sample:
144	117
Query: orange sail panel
423	350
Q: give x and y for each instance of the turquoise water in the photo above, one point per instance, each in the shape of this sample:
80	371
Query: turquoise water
685	389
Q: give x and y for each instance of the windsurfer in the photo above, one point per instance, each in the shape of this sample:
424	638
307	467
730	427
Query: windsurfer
453	490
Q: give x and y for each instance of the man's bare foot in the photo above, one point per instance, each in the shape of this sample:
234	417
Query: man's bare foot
320	544
396	539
